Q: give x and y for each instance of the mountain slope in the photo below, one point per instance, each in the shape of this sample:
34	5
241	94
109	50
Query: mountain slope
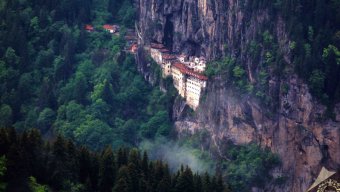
286	96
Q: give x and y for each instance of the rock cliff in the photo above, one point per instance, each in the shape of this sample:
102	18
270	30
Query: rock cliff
292	125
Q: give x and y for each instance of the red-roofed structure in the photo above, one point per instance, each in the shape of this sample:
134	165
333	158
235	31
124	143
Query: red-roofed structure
134	48
180	66
186	70
108	27
111	28
89	28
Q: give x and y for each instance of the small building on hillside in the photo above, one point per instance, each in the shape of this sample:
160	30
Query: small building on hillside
156	52
186	72
182	58
111	28
167	60
133	48
188	83
89	28
198	64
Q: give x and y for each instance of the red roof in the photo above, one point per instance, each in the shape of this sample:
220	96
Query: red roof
89	28
180	66
108	27
134	48
186	70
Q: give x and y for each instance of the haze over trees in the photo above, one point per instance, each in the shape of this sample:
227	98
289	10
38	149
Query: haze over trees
28	163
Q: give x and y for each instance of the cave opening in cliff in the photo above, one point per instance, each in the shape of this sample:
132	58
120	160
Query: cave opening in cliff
168	32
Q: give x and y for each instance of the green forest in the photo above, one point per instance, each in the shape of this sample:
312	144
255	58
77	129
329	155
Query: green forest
31	164
59	78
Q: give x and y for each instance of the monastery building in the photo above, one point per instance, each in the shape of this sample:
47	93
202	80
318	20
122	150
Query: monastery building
186	72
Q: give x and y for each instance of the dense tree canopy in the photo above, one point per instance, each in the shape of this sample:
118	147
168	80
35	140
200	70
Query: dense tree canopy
29	163
59	78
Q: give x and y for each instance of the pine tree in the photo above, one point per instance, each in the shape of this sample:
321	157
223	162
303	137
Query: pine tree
143	185
72	161
145	164
84	165
12	135
4	141
32	145
134	157
198	183
58	168
94	172
164	185
17	169
121	186
152	180
159	171
219	185
206	182
133	177
3	169
121	157
185	181
107	170
213	186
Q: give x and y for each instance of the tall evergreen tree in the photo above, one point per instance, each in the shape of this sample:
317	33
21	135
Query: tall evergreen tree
107	170
185	181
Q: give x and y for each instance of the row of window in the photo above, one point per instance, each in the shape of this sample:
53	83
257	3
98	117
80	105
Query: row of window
193	90
194	83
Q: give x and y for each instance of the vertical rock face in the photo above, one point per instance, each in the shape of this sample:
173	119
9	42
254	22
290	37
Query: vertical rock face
295	131
214	28
195	27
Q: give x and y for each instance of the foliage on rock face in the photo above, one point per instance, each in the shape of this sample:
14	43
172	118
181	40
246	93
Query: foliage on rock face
243	166
316	28
38	166
249	165
312	26
35	187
